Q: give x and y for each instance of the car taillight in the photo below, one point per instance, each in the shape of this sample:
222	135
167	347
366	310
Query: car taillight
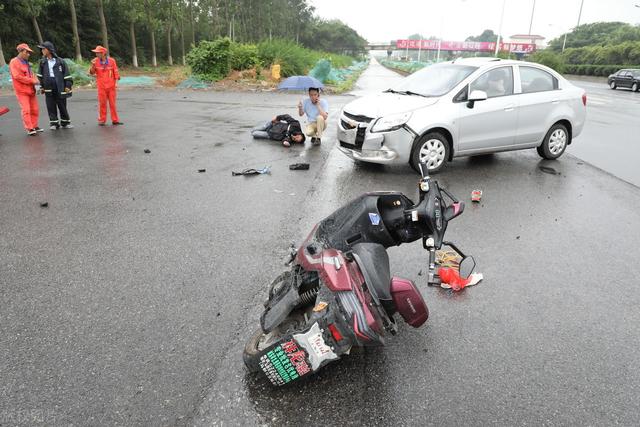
584	99
335	332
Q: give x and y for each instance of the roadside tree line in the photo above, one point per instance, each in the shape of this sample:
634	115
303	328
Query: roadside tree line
144	32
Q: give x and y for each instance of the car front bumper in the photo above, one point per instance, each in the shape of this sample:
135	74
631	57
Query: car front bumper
358	143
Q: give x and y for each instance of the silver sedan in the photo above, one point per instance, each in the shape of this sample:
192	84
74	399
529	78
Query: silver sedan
462	108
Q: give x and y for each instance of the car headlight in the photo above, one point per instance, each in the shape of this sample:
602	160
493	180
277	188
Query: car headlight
392	122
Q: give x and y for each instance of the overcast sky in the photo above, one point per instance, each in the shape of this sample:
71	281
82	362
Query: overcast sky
382	21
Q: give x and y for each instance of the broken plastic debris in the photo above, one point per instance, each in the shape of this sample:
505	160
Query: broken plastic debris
202	170
252	171
146	150
451	279
44	204
299	166
476	195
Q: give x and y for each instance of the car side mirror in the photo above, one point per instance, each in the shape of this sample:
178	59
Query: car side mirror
476	95
466	266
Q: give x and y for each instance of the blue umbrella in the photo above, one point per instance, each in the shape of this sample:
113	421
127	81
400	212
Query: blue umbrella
300	83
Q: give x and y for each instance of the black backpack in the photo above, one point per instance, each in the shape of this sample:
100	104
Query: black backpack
278	131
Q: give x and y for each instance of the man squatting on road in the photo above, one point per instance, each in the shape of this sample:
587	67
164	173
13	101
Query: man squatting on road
316	110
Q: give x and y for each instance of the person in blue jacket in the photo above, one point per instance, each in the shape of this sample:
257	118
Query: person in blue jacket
56	83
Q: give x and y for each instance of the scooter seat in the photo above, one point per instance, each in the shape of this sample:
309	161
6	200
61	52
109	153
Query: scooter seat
374	263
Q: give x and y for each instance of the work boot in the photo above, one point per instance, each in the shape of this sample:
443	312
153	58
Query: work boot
117	123
39	129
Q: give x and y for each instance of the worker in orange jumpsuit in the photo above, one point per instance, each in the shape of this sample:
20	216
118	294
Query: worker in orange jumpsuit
106	71
24	81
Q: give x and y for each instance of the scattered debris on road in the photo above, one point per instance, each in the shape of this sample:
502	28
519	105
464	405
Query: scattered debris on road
44	204
147	151
202	170
550	171
299	166
476	196
253	171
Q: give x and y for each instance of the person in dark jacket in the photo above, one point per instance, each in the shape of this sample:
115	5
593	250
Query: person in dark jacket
56	83
281	128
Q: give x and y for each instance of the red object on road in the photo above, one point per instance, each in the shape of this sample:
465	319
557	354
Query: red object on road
3	110
452	278
476	195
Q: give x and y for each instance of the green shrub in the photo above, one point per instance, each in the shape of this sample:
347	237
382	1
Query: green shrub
243	56
210	60
548	58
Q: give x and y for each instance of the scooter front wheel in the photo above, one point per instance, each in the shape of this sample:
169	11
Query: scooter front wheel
251	350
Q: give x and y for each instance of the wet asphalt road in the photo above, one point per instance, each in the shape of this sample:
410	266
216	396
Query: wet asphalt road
128	299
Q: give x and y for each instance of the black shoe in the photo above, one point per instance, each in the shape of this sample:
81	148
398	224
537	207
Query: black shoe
315	141
32	132
101	123
39	129
117	123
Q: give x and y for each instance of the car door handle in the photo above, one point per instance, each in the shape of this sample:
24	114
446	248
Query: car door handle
509	107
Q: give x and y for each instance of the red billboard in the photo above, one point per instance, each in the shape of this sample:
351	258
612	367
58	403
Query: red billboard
465	46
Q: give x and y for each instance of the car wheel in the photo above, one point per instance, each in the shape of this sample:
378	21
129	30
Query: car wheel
634	87
554	142
433	148
612	84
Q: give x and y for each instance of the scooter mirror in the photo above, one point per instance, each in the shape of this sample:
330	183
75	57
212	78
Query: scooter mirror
466	266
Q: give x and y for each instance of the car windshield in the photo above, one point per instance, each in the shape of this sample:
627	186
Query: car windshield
435	80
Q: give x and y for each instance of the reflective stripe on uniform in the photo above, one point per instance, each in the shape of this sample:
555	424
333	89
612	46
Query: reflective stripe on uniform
68	77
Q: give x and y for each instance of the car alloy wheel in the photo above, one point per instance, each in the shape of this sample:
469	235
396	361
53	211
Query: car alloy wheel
557	141
433	153
554	142
433	149
634	87
612	85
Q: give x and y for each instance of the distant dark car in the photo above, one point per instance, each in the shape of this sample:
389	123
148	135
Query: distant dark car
629	78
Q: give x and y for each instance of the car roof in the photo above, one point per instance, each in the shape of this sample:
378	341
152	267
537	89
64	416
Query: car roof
489	61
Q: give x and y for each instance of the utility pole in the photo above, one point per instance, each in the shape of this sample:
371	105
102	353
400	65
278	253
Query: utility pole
504	2
532	10
577	25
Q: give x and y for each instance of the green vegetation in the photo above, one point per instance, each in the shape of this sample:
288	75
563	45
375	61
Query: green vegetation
213	60
151	32
597	49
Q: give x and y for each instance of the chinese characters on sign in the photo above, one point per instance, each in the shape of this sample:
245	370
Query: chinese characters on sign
284	363
465	46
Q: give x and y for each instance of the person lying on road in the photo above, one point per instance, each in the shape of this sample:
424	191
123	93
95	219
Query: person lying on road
281	128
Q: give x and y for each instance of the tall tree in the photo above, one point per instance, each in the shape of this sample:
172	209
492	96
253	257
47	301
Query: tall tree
103	25
169	28
2	60
32	9
74	27
133	14
150	6
2	24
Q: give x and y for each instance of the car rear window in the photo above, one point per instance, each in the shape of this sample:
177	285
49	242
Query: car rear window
536	80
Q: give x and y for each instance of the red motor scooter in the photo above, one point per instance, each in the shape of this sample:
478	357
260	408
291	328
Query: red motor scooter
339	292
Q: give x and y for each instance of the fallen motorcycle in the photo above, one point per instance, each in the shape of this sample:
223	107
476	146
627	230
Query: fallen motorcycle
339	293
